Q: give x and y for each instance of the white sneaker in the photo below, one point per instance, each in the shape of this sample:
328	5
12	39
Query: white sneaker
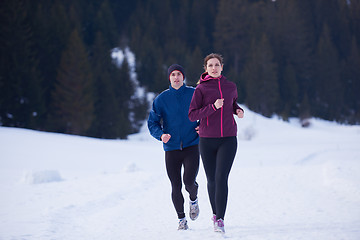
213	219
219	226
194	209
183	224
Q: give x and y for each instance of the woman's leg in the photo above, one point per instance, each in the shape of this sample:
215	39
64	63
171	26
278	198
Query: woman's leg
224	160
208	151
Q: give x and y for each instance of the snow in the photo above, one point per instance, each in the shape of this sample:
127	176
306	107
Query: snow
37	177
119	55
287	182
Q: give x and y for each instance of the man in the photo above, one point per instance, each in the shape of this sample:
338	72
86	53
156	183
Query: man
168	122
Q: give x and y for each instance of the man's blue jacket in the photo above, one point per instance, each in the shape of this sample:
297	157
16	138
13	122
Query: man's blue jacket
169	114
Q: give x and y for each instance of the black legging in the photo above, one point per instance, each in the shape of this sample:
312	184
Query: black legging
218	156
189	157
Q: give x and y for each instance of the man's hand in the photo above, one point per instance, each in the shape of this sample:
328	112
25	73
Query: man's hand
165	137
197	129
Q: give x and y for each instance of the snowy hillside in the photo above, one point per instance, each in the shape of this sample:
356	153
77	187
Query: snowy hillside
287	182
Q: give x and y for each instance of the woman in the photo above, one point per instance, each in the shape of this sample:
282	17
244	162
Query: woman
168	122
214	103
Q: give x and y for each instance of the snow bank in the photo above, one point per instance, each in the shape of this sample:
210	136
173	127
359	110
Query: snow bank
38	177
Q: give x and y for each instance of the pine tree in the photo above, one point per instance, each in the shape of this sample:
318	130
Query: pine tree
122	10
260	74
73	94
106	106
342	29
116	112
20	80
124	90
105	23
200	26
329	89
355	19
289	92
351	76
304	111
147	45
51	31
291	39
194	67
335	14
232	32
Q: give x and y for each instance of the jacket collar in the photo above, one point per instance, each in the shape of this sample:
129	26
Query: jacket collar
206	77
180	90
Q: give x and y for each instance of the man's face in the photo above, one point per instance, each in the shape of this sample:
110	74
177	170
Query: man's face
176	79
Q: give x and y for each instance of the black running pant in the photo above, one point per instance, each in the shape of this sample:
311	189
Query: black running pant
218	155
174	160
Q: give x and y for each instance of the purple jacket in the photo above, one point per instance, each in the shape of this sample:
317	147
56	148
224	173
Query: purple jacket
214	122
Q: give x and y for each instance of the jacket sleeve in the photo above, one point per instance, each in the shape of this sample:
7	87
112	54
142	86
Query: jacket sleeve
196	110
236	106
154	123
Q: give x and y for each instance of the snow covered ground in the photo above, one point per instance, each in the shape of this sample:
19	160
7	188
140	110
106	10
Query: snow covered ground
287	182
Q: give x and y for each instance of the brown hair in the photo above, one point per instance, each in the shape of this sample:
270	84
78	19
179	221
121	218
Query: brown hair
213	55
210	56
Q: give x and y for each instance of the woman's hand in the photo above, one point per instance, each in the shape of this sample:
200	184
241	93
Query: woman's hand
240	113
219	103
165	137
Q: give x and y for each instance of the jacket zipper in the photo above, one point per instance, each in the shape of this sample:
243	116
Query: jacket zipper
221	113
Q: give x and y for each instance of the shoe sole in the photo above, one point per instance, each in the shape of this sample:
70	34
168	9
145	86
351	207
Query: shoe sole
194	218
219	231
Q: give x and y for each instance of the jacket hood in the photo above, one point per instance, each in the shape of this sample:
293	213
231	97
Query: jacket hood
206	77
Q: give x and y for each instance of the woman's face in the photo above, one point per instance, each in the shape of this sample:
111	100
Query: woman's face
176	79
214	67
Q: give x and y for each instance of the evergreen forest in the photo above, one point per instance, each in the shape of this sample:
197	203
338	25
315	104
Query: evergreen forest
292	58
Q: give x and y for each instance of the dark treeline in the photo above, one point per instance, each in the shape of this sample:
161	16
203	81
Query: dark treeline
294	58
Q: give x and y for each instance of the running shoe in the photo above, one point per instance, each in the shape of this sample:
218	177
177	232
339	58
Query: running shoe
183	224
219	226
194	209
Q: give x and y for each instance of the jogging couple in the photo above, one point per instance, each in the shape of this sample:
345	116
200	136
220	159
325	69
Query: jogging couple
192	121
